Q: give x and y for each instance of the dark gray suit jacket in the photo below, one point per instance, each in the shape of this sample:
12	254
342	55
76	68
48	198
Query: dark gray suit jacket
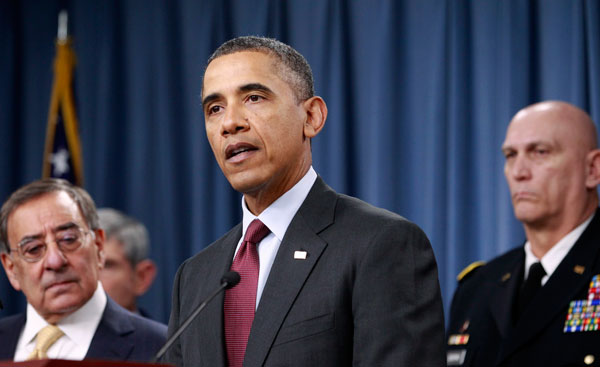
121	335
366	295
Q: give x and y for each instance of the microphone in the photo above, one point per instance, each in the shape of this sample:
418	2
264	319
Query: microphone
229	280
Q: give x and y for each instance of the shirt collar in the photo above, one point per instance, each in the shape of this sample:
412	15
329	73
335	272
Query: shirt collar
557	253
76	326
278	216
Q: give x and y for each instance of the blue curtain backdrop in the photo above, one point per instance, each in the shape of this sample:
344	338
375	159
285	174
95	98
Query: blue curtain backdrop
419	92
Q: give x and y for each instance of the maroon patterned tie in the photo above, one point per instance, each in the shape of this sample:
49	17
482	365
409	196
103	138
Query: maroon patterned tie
240	301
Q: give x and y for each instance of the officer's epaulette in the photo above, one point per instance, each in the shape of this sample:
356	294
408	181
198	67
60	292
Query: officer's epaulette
469	270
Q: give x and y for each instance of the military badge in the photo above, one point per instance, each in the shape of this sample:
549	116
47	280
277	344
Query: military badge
584	315
458	339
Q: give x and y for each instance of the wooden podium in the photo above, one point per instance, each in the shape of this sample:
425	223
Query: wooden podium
84	363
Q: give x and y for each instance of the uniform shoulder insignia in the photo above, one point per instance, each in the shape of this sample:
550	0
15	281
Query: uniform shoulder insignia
466	272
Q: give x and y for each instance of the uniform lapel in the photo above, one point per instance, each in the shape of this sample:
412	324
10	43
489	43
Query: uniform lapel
288	275
561	288
503	298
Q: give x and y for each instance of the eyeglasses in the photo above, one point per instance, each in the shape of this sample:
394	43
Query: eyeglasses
67	240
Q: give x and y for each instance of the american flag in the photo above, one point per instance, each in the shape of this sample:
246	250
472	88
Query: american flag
62	154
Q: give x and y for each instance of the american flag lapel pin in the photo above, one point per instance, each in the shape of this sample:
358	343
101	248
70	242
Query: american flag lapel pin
300	255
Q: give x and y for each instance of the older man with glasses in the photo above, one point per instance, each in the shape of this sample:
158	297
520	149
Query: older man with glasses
51	247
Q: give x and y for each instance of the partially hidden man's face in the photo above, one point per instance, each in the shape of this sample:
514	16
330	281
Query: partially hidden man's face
118	275
254	123
59	283
545	167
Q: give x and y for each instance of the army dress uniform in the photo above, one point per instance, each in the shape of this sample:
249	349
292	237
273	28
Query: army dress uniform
559	327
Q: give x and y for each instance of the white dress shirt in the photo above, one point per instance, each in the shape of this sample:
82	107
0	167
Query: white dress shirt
78	328
277	218
556	254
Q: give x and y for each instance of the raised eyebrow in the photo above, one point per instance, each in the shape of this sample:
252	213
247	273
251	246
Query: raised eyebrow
255	87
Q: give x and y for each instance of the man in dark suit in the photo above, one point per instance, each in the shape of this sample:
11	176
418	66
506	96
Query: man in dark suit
538	305
52	250
330	280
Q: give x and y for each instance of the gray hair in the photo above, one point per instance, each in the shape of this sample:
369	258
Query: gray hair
38	188
128	231
300	79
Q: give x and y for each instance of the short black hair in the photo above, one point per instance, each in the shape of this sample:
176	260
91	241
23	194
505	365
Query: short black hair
300	79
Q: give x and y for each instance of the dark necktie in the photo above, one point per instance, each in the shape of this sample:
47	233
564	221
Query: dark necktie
531	286
240	301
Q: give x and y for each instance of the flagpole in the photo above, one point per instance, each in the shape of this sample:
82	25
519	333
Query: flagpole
62	34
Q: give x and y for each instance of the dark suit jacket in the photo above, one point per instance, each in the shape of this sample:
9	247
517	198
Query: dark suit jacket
366	295
121	335
485	302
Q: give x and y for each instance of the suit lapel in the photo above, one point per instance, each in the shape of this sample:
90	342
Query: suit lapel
109	341
214	310
288	275
561	288
9	335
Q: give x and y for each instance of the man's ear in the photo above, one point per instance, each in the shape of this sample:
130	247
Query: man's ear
593	169
99	243
316	114
9	268
145	272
